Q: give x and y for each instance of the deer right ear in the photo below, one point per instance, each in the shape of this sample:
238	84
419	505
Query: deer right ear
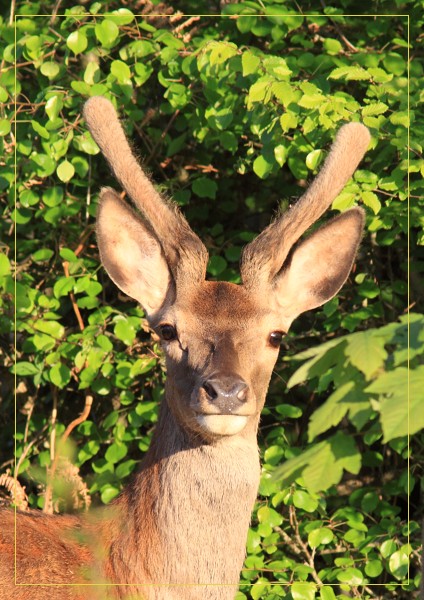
319	266
130	253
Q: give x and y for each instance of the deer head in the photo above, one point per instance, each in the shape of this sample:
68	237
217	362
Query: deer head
221	340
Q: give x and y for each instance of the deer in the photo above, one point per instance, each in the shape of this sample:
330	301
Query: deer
178	530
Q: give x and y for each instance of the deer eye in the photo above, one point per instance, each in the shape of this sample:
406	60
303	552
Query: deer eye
168	332
275	339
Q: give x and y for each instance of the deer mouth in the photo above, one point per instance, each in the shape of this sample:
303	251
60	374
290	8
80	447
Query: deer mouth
222	425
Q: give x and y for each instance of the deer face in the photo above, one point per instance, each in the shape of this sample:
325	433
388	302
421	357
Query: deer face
221	346
221	340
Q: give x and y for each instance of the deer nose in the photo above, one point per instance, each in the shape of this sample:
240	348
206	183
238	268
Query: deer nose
227	392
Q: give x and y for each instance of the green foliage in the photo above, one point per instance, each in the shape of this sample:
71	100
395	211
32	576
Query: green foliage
231	114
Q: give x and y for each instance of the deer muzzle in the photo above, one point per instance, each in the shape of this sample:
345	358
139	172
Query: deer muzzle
223	404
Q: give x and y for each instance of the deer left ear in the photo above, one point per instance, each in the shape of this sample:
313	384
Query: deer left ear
131	254
318	267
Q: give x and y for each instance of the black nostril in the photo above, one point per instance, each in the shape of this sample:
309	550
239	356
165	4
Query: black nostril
226	388
242	393
210	390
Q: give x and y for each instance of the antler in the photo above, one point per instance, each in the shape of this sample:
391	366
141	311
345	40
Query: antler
186	255
264	257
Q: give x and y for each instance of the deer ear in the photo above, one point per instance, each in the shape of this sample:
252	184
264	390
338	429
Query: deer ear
131	255
318	267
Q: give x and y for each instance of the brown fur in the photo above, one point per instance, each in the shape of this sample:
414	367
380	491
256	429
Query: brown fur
178	531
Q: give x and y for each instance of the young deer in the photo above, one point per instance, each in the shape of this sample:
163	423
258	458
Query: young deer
178	531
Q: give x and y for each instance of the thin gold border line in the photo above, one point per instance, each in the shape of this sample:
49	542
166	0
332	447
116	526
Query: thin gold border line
16	121
15	314
156	15
408	329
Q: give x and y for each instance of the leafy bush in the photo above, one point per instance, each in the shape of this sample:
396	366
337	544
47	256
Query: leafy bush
232	114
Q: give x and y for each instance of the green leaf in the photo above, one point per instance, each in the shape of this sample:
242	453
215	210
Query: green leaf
65	171
303	591
320	536
313	159
373	568
400	117
351	576
68	254
349	74
332	411
399	563
221	51
125	331
259	588
312	100
50	69
394	63
281	153
259	92
370	199
250	63
42	131
270	516
261	167
323	358
42	255
344	201
5	268
25	369
302	499
121	71
398	417
106	32
332	46
387	548
288	410
60	375
277	66
286	94
77	41
63	286
125	468
52	328
92	73
3	94
204	187
322	465
87	144
366	351
376	108
109	493
326	593
116	452
216	265
53	107
123	16
288	121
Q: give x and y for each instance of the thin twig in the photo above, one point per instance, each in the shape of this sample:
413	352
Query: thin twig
27	449
48	504
75	306
339	31
162	136
55	11
53	424
12	11
301	543
83	238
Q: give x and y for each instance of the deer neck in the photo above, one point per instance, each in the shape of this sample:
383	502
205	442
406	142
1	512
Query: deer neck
185	516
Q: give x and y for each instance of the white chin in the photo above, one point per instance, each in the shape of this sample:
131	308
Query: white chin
222	424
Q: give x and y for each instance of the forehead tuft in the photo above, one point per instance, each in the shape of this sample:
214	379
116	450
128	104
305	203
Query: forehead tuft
222	299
